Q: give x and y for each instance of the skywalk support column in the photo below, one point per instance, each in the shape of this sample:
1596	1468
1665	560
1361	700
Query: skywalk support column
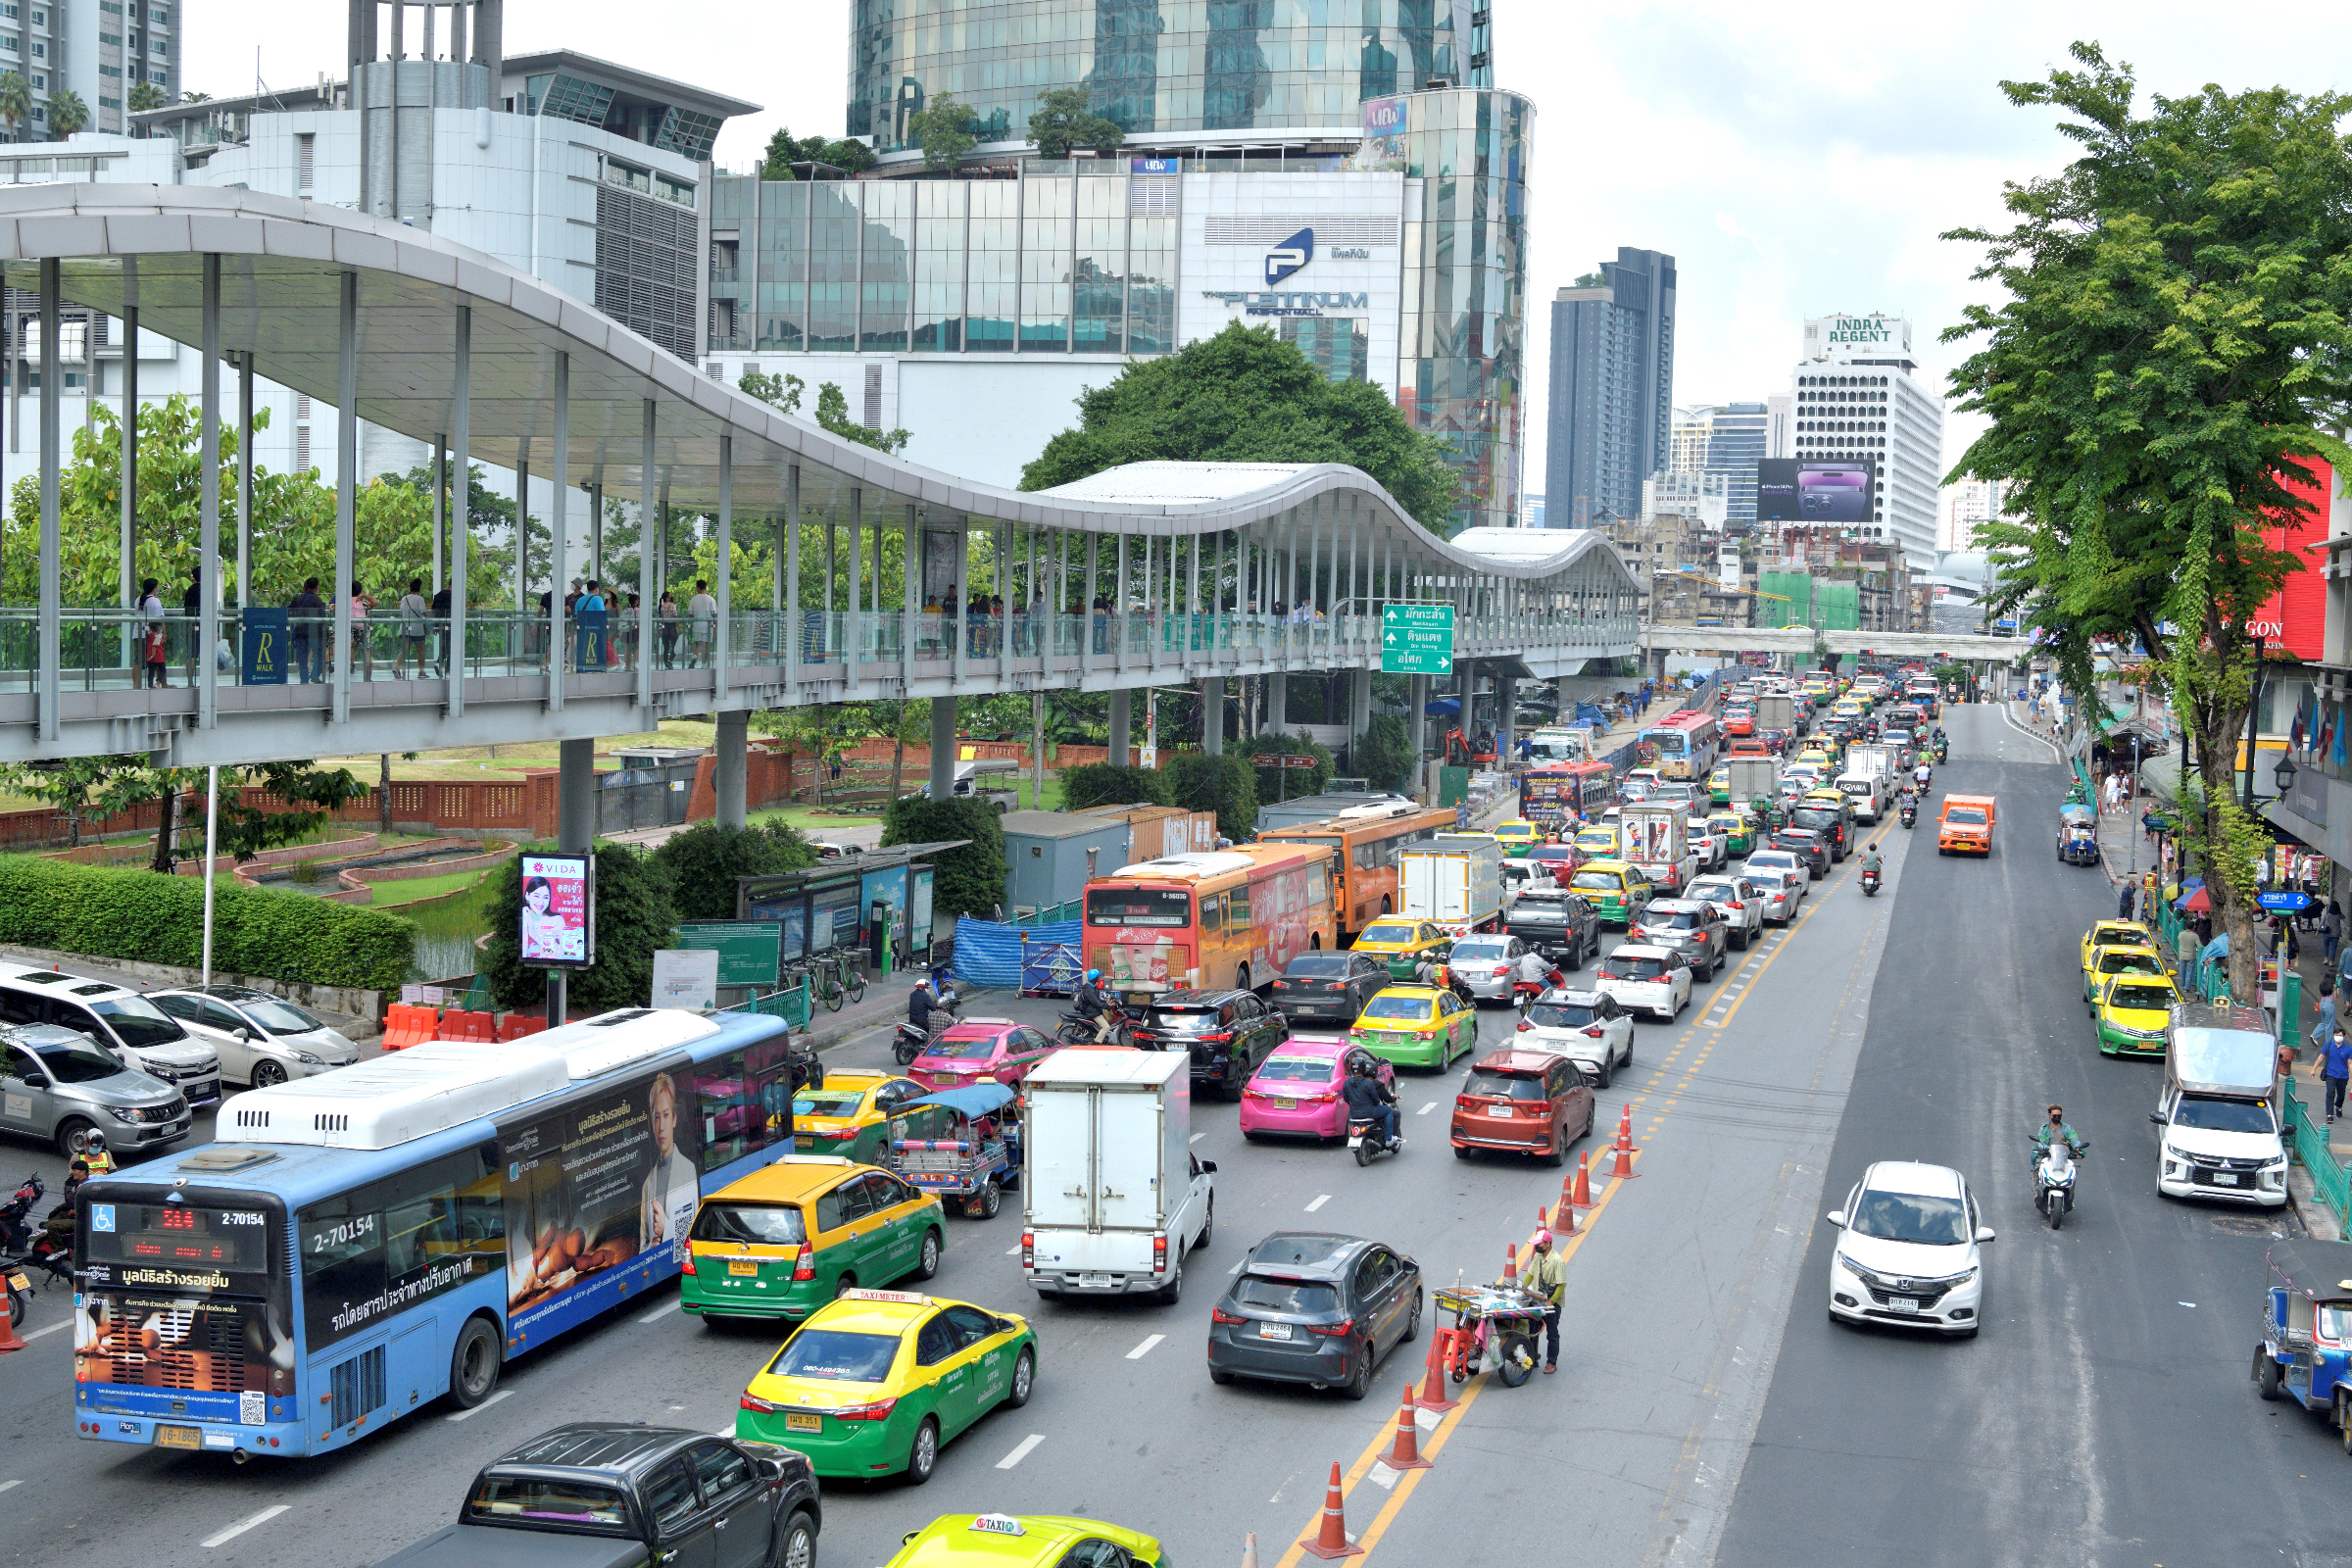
461	522
1360	711
1278	702
649	523
48	641
130	587
1212	715
207	668
1122	720
727	772
559	637
726	605
943	747
245	493
347	482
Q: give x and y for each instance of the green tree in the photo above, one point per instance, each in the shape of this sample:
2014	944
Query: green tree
1106	784
299	797
850	156
832	409
2173	339
943	128
971	880
1286	783
634	917
15	102
1384	756
1245	396
488	515
702	862
145	96
68	114
1065	118
1224	784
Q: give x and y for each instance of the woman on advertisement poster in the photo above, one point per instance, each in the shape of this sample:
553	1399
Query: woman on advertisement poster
665	1202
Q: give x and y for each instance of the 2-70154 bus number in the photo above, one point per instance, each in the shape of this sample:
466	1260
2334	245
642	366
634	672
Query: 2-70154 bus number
357	1231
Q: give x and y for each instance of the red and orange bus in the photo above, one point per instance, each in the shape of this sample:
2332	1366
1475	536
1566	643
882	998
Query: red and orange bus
1369	843
1210	919
1686	745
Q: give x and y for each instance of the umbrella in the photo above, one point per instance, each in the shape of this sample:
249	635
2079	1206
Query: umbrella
2196	902
1443	708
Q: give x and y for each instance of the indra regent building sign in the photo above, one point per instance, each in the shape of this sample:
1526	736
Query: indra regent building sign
1842	338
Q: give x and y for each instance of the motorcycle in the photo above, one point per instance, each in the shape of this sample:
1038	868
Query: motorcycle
1369	1145
1079	1030
2054	1181
912	1040
1943	750
1870	884
1910	814
16	1229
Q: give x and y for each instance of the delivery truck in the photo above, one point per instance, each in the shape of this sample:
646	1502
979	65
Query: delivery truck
1113	1198
1776	713
1656	841
1966	825
1454	881
1754	778
1878	760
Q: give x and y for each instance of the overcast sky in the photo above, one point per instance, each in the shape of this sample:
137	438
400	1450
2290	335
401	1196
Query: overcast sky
1796	160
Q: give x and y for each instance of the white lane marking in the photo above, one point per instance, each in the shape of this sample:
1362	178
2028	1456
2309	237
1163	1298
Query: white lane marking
1145	1348
724	1432
1196	1137
1426	1110
1319	1201
468	1415
659	1313
221	1538
9	1485
1021	1451
61	1323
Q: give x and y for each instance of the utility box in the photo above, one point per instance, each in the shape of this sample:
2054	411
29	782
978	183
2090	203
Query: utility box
1049	855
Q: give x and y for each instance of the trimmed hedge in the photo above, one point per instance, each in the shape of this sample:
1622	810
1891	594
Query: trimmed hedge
1225	784
1104	784
110	913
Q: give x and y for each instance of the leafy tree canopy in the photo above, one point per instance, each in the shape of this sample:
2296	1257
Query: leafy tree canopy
1245	396
1065	119
1106	784
944	131
850	156
971	880
702	862
832	409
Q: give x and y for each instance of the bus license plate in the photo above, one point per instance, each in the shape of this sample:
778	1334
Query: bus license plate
802	1421
742	1270
179	1436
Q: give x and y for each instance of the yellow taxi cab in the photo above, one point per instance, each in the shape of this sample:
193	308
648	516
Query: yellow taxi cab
850	1115
1399	942
1719	784
1848	708
879	1381
1416	1026
1596	843
2133	1011
2114	959
1618	892
2115	933
1518	837
789	1237
1818	756
1030	1540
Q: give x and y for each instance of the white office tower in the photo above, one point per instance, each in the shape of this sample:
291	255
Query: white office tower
1858	398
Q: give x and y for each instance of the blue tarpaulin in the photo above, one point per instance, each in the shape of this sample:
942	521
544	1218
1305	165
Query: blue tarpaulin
990	955
1591	714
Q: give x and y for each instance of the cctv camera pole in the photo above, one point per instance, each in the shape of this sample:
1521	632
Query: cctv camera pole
212	838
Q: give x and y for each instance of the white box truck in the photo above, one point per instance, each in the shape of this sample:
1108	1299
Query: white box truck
1878	760
1656	839
1754	778
1776	713
1112	1197
1455	881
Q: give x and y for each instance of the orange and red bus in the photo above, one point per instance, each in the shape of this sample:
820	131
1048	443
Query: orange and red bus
1210	919
1686	745
1369	842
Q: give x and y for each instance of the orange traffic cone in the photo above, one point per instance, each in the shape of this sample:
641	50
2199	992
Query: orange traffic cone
1249	1551
1625	1127
1433	1387
1584	1181
1331	1541
8	1335
1624	1169
1510	1263
1405	1453
1562	1218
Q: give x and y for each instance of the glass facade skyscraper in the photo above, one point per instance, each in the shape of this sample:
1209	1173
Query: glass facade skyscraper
1612	388
1735	445
1167	72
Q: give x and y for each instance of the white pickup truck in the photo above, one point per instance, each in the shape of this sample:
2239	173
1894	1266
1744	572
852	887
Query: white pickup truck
1113	1197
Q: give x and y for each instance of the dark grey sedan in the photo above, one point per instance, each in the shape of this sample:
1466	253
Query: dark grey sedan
1315	1308
1329	988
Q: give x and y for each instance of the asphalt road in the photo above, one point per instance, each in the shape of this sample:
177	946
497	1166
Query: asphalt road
1681	1290
2104	1415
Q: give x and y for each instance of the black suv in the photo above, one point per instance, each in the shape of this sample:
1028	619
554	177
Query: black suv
1809	844
1329	988
1833	823
1228	1032
1557	924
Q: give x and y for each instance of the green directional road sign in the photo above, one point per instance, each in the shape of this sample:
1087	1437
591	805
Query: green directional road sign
1416	640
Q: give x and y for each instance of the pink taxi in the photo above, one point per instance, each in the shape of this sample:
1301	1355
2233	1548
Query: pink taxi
980	1049
1296	1089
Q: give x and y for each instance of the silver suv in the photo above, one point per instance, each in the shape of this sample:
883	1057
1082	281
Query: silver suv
53	1084
124	1024
1692	927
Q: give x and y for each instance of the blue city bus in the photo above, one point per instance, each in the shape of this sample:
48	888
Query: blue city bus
356	1245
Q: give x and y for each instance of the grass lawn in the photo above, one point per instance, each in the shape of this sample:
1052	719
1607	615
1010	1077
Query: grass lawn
814	823
391	895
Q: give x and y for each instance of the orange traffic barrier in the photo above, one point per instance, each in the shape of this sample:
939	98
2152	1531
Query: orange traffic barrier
1624	1171
1331	1540
515	1025
1433	1387
1584	1180
1405	1453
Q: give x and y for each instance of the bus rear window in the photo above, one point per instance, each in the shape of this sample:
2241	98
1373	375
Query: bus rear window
1148	906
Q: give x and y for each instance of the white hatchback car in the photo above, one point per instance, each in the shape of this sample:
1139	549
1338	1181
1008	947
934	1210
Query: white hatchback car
261	1039
1784	860
1646	979
1778	890
1909	1253
1588	1027
1741	902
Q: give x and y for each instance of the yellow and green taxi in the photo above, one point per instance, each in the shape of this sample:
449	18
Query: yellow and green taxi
1518	837
1738	829
880	1381
790	1237
1399	942
1848	708
850	1115
1719	784
2115	934
1617	891
1598	842
2133	1010
2109	962
1416	1026
1817	755
1030	1540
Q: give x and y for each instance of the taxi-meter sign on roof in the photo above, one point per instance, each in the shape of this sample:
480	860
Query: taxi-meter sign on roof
1416	640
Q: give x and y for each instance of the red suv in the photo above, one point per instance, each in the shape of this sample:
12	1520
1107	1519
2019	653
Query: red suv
1523	1102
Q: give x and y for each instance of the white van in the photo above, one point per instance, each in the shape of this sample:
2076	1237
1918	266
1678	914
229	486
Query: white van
1113	1197
1864	793
2215	1134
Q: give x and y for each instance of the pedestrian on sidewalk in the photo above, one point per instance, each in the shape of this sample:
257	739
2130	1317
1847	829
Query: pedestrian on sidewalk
2332	930
2123	899
2323	1019
2335	1065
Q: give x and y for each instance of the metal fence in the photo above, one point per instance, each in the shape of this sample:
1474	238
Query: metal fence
791	1005
2329	1178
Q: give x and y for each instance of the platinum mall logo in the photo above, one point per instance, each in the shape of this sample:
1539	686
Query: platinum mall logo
1290	256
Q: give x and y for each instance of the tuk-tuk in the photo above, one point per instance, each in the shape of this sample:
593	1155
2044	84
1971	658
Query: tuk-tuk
2078	833
960	1143
2307	1333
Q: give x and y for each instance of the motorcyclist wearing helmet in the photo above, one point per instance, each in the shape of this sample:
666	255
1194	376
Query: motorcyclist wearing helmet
95	1151
2057	1130
1368	1098
930	1009
1870	866
1097	1007
1921	774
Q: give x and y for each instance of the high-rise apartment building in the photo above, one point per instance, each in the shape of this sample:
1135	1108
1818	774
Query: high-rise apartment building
1967	506
1857	398
98	50
1613	388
